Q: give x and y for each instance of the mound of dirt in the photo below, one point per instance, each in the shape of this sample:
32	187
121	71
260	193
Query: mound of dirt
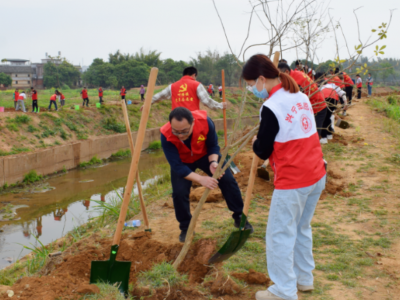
72	273
214	195
339	139
333	175
253	277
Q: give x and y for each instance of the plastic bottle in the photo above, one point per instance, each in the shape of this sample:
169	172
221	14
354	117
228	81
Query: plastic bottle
133	223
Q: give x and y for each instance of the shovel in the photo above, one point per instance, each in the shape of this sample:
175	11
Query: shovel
262	171
112	271
232	166
138	182
237	239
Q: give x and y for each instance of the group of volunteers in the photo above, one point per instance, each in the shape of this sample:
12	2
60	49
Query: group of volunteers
288	137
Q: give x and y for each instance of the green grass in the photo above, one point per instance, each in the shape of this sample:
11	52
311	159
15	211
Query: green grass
93	161
155	145
162	275
121	153
32	177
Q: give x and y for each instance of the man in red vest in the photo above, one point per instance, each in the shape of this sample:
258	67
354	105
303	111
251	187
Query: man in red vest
16	95
188	92
359	86
190	142
101	94
348	86
310	88
35	107
123	93
85	97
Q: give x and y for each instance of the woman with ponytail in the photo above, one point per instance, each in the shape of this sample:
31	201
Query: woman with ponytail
288	137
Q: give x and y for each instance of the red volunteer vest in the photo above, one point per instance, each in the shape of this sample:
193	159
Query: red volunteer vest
198	143
84	94
62	97
16	95
34	95
53	98
123	92
184	93
347	80
297	156
20	97
335	80
330	93
359	85
100	92
309	88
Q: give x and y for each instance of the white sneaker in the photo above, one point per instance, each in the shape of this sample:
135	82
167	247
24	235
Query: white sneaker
305	288
323	141
266	295
329	137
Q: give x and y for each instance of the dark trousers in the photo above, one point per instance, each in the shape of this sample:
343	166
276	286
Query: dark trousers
349	93
87	102
220	94
141	96
319	120
53	102
327	125
35	105
358	93
181	190
101	99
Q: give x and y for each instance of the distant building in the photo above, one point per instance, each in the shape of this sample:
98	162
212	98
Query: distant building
20	71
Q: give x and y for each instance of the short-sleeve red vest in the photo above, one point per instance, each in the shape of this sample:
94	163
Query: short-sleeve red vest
184	93
84	94
199	136
53	98
100	92
16	95
309	88
123	92
347	80
34	95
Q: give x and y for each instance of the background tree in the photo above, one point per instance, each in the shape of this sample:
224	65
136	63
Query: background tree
5	79
57	75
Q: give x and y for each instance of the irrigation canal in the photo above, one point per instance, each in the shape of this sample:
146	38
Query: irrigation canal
49	211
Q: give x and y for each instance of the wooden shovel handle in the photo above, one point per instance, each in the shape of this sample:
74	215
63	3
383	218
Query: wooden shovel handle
224	110
138	182
254	164
136	155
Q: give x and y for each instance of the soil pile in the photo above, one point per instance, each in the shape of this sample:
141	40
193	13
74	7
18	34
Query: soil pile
69	276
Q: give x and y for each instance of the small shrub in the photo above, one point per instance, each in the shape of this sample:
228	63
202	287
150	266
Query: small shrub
121	153
65	87
233	101
32	177
155	145
32	128
220	133
24	119
392	100
63	135
12	127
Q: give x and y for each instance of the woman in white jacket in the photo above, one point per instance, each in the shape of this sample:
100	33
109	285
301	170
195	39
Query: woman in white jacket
288	137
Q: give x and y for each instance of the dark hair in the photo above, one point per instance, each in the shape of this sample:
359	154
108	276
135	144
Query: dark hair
181	113
84	87
317	77
260	65
283	67
189	71
283	61
57	92
31	87
298	62
358	75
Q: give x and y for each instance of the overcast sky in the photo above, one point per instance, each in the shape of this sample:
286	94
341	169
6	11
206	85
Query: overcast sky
86	29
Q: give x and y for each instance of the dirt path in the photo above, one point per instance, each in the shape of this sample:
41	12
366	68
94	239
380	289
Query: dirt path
355	228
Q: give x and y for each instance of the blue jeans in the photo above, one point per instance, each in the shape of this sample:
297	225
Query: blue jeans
53	102
181	190
289	239
369	90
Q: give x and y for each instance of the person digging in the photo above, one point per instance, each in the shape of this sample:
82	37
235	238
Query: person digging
187	92
190	142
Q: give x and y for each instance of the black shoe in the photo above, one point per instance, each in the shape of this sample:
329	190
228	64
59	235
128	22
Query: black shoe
182	236
247	226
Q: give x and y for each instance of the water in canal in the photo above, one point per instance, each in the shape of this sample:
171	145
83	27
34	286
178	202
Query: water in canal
51	213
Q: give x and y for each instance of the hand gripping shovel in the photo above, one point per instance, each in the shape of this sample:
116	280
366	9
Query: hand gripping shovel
112	271
138	182
232	166
237	239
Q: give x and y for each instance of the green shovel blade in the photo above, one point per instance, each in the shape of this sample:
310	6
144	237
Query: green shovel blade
232	166
112	271
234	243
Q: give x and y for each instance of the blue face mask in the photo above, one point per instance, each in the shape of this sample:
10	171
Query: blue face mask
263	94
